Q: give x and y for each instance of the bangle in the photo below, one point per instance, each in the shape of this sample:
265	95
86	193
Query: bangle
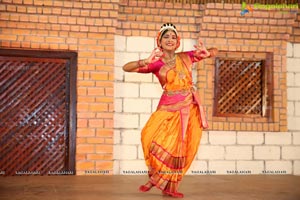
142	63
139	63
145	62
213	52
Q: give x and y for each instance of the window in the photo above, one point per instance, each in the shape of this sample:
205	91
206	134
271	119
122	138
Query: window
241	88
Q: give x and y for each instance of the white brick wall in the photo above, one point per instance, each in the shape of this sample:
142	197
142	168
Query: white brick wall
291	109
118	105
120	44
297	82
125	152
220	152
291	153
293	64
140	44
154	104
136	97
150	90
250	167
267	152
204	138
137	77
121	57
140	152
209	152
143	119
279	167
198	168
296	52
126	120
296	138
131	137
297	105
238	153
132	167
293	123
293	93
224	137
296	169
250	138
126	90
278	138
222	167
117	136
137	105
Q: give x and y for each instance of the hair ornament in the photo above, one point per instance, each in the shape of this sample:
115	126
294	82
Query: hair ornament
164	27
168	26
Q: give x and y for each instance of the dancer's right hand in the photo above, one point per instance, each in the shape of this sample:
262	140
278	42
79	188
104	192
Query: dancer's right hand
156	54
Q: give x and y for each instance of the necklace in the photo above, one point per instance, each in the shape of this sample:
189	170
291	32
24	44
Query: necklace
171	59
171	62
180	72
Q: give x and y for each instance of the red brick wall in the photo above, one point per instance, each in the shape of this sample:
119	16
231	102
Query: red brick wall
295	36
222	26
246	36
89	28
144	18
86	27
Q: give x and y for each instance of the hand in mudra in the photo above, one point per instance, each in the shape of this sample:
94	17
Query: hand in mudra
201	50
156	54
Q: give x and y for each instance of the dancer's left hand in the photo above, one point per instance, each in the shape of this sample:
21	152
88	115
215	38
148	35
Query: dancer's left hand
201	50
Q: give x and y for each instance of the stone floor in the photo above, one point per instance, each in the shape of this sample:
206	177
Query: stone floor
213	187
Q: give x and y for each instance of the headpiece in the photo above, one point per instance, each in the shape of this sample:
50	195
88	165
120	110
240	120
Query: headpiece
168	26
165	27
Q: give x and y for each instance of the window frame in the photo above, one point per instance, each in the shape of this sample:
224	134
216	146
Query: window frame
266	84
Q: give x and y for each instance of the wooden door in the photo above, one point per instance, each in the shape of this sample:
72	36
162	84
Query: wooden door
37	112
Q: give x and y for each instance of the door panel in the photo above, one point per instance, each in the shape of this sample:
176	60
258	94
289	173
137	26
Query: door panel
37	106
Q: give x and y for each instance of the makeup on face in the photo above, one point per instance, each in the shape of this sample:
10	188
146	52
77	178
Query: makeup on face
169	39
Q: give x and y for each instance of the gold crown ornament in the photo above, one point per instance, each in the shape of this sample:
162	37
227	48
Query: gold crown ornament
168	26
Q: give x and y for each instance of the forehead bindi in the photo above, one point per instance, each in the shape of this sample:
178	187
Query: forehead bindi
170	34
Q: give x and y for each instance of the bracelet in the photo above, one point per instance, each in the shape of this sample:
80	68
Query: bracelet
141	63
145	62
213	52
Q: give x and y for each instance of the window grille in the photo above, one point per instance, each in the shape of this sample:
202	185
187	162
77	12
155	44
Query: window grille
37	112
240	88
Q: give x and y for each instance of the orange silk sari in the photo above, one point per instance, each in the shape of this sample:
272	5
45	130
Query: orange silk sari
171	137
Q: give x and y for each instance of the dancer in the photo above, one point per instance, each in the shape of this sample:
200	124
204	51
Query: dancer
171	137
